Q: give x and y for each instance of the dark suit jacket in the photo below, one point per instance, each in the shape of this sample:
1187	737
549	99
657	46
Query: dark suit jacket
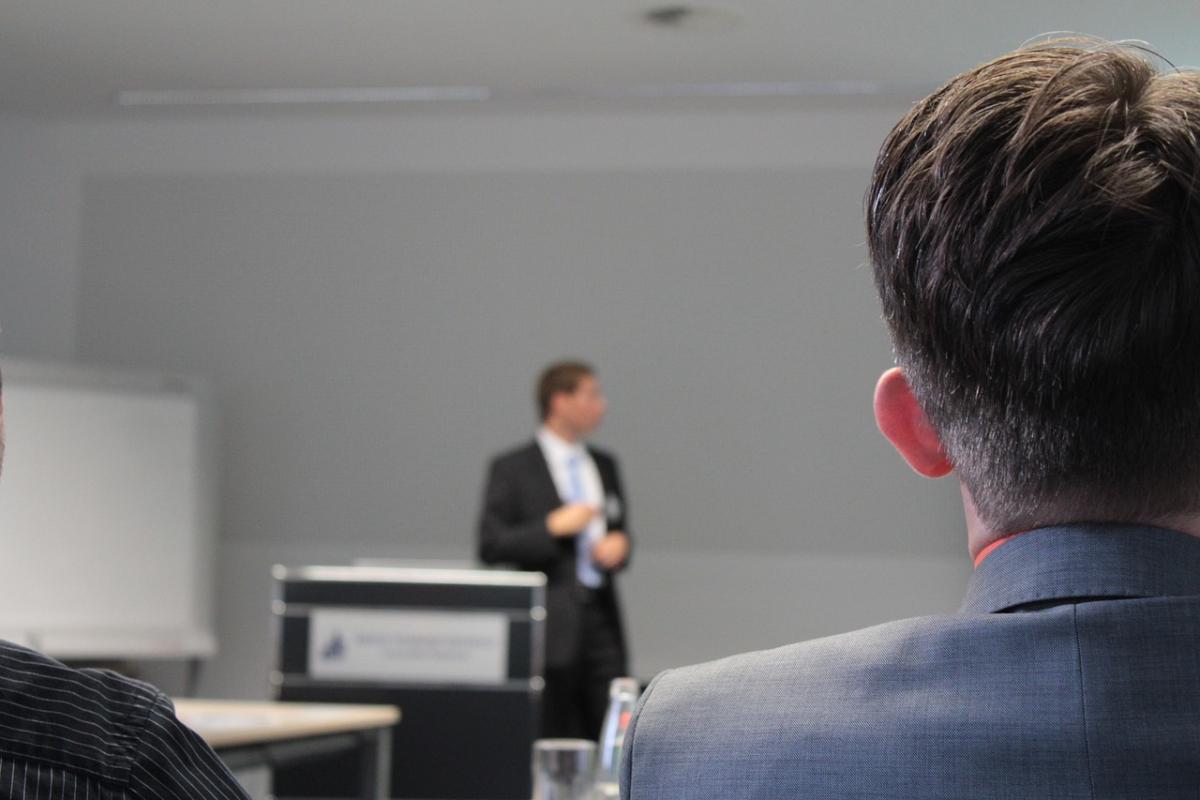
520	492
1072	670
117	736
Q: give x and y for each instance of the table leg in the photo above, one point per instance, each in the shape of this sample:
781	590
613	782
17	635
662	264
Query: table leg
376	764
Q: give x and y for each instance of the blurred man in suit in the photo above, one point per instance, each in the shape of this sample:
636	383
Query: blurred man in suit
1034	228
93	733
555	505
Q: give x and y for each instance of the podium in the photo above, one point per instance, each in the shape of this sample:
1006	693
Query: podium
460	651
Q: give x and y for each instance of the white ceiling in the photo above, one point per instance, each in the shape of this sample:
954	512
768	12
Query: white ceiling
72	56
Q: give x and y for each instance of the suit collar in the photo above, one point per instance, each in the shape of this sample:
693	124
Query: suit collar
1078	561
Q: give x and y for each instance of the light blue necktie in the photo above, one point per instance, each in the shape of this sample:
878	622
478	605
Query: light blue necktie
585	570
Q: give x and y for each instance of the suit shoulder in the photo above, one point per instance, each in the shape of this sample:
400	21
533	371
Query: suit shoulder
84	718
953	654
916	647
516	456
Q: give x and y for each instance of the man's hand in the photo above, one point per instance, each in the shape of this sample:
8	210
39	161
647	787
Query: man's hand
611	551
570	519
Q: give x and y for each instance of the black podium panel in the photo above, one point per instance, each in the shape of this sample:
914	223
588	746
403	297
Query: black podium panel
434	755
456	740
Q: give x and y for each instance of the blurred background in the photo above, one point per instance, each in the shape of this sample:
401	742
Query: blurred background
369	224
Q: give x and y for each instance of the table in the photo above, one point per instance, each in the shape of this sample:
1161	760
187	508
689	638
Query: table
251	734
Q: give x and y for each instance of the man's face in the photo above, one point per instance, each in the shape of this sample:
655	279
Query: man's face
583	409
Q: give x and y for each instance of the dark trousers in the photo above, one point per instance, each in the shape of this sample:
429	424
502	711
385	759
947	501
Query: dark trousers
576	695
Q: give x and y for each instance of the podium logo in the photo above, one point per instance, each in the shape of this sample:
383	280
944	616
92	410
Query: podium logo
335	648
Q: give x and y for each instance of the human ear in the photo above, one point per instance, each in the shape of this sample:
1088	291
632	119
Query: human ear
905	425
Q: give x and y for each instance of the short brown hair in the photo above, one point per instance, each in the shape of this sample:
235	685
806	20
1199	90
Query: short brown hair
563	376
1034	227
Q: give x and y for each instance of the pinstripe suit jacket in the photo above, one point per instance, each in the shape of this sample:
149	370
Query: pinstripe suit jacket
70	734
1072	670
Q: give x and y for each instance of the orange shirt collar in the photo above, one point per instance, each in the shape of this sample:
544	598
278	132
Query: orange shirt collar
987	551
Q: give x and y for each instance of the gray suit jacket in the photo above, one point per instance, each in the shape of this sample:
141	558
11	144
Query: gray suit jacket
1072	670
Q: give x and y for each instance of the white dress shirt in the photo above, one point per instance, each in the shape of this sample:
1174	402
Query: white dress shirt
558	454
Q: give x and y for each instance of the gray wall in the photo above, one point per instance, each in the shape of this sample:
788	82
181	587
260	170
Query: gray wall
372	296
38	234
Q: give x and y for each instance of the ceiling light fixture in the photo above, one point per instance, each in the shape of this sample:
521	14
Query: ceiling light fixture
753	89
237	97
728	89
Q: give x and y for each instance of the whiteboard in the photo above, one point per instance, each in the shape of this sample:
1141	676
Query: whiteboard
106	513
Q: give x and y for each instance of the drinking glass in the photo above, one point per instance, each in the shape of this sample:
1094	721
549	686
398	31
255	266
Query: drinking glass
563	769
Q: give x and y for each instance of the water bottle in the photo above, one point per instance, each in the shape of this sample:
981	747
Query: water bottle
622	697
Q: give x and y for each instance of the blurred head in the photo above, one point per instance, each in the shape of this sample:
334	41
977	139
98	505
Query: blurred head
569	397
1034	227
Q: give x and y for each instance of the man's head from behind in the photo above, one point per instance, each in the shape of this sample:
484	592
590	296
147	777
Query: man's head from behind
1034	227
